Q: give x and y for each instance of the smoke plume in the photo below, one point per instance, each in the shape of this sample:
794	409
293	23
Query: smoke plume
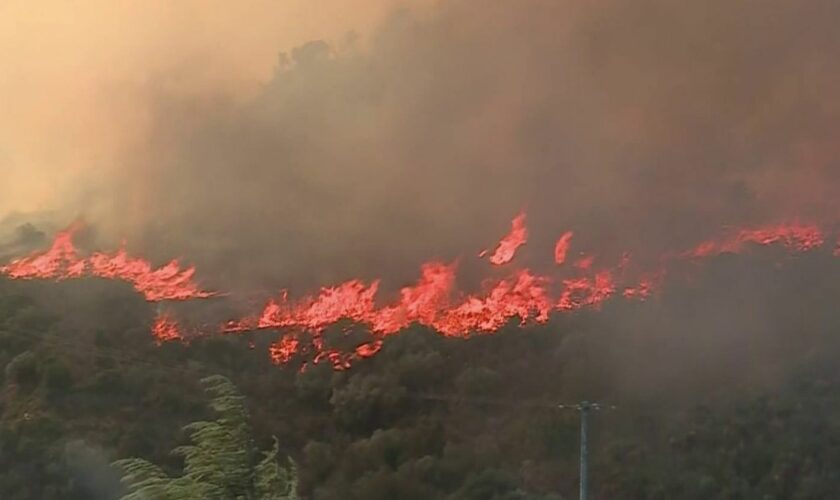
640	127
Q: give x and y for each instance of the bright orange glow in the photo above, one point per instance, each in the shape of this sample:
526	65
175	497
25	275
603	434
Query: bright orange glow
61	261
433	301
796	237
561	249
582	292
166	329
507	248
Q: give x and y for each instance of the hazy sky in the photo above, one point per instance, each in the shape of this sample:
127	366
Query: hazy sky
73	73
260	141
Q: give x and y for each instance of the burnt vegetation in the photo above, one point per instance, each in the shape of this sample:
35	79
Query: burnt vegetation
726	386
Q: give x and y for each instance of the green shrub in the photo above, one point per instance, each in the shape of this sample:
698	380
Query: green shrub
57	376
23	370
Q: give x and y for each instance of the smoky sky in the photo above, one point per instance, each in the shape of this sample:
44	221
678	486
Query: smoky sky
642	126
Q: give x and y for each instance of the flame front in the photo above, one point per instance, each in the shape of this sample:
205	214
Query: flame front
796	237
61	261
433	301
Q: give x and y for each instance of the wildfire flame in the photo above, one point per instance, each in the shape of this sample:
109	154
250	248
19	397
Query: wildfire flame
166	329
508	246
433	301
62	261
561	249
796	237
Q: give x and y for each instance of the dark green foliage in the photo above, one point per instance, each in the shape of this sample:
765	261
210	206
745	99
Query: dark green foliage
430	418
221	463
57	376
23	370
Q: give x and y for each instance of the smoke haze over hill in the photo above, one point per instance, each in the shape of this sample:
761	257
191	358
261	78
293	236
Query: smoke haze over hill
640	127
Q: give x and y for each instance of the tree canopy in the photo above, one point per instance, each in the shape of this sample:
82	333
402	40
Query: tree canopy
221	463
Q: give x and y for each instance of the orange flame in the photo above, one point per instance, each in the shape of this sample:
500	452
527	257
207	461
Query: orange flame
61	261
796	237
561	249
507	248
166	329
433	301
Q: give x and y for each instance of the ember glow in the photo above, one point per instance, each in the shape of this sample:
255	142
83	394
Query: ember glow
586	291
433	301
585	263
166	329
796	237
647	285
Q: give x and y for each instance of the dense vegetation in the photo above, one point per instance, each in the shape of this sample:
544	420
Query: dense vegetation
741	405
221	461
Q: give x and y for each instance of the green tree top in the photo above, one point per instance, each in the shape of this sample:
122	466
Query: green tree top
221	463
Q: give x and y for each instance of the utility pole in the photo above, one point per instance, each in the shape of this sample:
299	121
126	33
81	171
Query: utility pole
584	450
584	407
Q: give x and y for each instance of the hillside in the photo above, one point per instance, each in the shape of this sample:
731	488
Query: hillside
712	401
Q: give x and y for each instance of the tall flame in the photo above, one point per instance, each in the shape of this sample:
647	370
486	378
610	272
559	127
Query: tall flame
433	301
561	248
506	250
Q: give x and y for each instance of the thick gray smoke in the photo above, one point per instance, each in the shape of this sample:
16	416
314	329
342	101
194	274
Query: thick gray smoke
646	124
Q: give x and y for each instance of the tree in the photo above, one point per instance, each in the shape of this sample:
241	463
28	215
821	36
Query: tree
221	463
